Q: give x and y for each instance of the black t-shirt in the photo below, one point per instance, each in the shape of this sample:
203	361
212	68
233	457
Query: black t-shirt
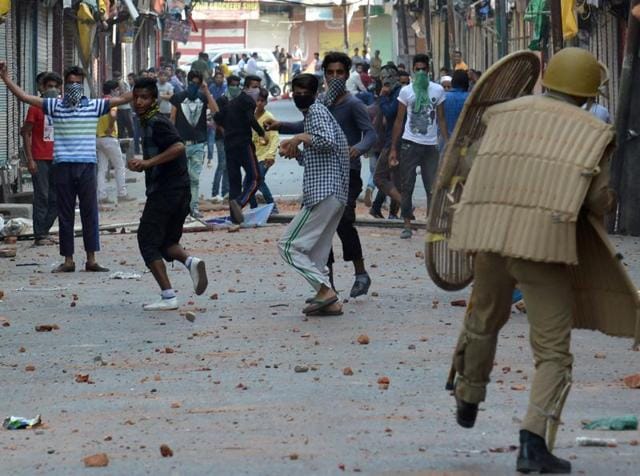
237	117
191	117
158	134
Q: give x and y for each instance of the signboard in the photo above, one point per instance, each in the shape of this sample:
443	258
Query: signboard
221	10
318	14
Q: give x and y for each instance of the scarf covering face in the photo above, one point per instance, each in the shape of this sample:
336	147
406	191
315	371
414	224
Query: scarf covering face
389	77
73	93
421	89
336	88
192	91
152	111
233	92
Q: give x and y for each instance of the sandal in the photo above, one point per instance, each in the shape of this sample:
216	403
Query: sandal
64	268
317	304
334	309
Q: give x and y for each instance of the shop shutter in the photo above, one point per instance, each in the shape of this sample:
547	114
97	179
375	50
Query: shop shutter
9	123
44	46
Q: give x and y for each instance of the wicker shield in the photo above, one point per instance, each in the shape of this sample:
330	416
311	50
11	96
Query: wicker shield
513	76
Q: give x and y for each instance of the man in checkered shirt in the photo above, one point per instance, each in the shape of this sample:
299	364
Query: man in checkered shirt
307	242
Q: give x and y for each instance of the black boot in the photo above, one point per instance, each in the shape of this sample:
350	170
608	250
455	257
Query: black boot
534	457
466	413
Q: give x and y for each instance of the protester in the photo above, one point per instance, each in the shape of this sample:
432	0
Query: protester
189	114
455	98
458	64
445	81
237	119
353	117
356	59
165	93
282	65
37	136
108	150
75	118
357	87
168	197
178	87
218	87
422	104
404	78
251	67
296	61
265	153
376	67
545	263
306	243
474	76
201	65
125	117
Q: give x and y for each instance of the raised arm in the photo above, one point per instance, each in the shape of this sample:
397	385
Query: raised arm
120	100
16	90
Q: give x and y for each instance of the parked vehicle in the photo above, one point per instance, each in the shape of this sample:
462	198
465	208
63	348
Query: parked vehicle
270	85
266	60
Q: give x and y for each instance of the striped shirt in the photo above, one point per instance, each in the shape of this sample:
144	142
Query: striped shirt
75	128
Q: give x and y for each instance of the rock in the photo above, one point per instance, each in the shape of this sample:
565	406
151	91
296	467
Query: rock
374	294
299	369
83	378
518	387
165	451
293	456
347	371
214	296
175	405
434	304
363	339
600	355
384	382
4	321
22	349
168	350
419	254
47	327
632	381
190	316
96	461
29	368
459	303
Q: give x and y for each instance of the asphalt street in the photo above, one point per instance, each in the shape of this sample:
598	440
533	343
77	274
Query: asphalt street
238	381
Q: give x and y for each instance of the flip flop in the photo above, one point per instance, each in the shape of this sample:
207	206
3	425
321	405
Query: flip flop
326	312
317	304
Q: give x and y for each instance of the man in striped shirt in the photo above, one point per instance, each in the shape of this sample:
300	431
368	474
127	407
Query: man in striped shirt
75	118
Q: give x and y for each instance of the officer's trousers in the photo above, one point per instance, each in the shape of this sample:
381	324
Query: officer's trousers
549	300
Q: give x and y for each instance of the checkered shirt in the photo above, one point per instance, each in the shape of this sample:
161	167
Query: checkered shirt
326	160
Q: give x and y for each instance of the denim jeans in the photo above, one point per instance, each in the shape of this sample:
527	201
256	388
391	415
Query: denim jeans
195	159
221	175
373	160
412	156
263	188
211	141
137	134
45	210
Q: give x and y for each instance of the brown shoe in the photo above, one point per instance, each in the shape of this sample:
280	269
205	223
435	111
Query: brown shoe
95	268
64	268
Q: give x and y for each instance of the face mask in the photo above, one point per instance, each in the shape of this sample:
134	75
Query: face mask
73	93
253	93
304	102
51	93
233	91
389	78
192	91
421	89
336	88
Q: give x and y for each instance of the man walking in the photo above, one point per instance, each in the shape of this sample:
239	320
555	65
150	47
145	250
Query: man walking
37	136
306	243
189	114
165	93
75	118
353	117
421	103
542	261
237	119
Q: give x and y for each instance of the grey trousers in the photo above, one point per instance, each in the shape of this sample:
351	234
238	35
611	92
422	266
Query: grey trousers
45	210
412	156
307	241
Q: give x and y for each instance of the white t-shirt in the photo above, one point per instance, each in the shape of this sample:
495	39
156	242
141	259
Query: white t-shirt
163	104
422	127
252	66
354	83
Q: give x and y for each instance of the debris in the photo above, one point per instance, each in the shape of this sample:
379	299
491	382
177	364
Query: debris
125	275
434	304
632	381
419	254
374	294
293	456
626	422
96	461
518	387
600	355
190	316
459	303
22	349
83	378
21	423
175	405
29	368
299	369
165	451
214	296
587	441
363	339
47	327
1	295
503	449
383	383
168	350
347	371
4	321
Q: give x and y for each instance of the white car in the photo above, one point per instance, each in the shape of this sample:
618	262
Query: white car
266	61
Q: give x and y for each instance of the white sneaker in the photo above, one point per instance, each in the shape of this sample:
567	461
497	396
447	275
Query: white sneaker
162	305
198	275
216	199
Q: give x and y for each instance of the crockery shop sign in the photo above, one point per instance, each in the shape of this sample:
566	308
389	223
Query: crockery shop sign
227	10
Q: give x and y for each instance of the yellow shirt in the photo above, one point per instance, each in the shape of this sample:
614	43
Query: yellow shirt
266	152
103	125
461	65
225	70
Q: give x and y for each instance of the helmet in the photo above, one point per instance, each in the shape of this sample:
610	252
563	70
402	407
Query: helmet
573	71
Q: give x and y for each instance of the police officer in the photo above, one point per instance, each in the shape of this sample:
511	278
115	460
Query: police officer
543	165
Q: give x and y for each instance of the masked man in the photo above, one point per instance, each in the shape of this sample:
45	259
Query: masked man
75	118
189	114
538	181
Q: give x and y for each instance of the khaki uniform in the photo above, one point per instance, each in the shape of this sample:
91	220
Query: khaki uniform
541	168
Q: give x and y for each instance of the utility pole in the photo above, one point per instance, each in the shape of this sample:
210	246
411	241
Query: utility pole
501	27
557	39
451	33
345	22
625	168
402	13
426	13
365	39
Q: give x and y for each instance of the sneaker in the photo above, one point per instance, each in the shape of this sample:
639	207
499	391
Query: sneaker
163	304
393	217
198	275
195	213
126	198
236	211
375	213
406	233
216	199
367	196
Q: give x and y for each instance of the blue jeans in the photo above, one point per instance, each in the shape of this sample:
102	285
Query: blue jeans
366	97
195	159
45	210
137	130
221	171
373	160
211	141
262	188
